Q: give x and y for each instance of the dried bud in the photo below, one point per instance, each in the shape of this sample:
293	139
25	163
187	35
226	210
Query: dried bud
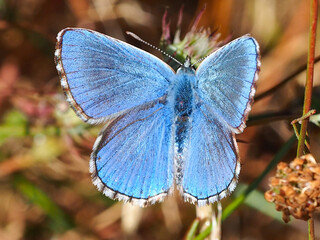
197	43
295	189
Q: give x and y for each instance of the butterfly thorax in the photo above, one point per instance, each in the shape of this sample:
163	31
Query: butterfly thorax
183	95
183	106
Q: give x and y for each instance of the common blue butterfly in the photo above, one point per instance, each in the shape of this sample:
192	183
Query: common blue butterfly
163	128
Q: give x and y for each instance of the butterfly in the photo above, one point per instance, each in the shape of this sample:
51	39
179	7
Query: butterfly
163	128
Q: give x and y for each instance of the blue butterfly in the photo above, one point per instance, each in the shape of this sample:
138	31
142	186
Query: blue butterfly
163	129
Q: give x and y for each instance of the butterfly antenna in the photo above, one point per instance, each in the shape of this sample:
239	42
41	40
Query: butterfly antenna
150	45
199	60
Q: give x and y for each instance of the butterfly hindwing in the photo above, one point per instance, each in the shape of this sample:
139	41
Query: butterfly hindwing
102	76
226	80
132	159
212	163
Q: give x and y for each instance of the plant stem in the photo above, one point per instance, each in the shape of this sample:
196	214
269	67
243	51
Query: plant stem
311	228
241	198
60	222
308	90
309	78
192	230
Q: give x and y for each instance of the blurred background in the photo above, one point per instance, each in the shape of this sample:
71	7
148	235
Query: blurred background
45	185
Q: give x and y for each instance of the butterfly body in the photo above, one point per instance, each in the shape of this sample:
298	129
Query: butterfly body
163	129
183	102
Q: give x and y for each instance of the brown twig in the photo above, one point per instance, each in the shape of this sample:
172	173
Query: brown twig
308	91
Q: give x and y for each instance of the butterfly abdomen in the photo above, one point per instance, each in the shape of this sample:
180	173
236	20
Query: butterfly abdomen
183	106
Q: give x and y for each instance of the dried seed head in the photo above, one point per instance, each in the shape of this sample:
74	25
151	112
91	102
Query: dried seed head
295	189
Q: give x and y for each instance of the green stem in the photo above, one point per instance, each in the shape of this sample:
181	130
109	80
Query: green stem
192	231
205	233
241	198
308	90
60	222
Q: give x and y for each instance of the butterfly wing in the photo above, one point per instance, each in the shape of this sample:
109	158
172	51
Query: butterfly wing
106	79
212	160
226	80
132	158
223	96
103	77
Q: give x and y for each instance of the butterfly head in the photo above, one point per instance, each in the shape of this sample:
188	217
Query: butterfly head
187	67
187	63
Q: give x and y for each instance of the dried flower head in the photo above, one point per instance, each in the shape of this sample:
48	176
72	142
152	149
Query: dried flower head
197	43
296	188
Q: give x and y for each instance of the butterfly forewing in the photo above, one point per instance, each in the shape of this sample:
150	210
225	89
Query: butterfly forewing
226	80
102	76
